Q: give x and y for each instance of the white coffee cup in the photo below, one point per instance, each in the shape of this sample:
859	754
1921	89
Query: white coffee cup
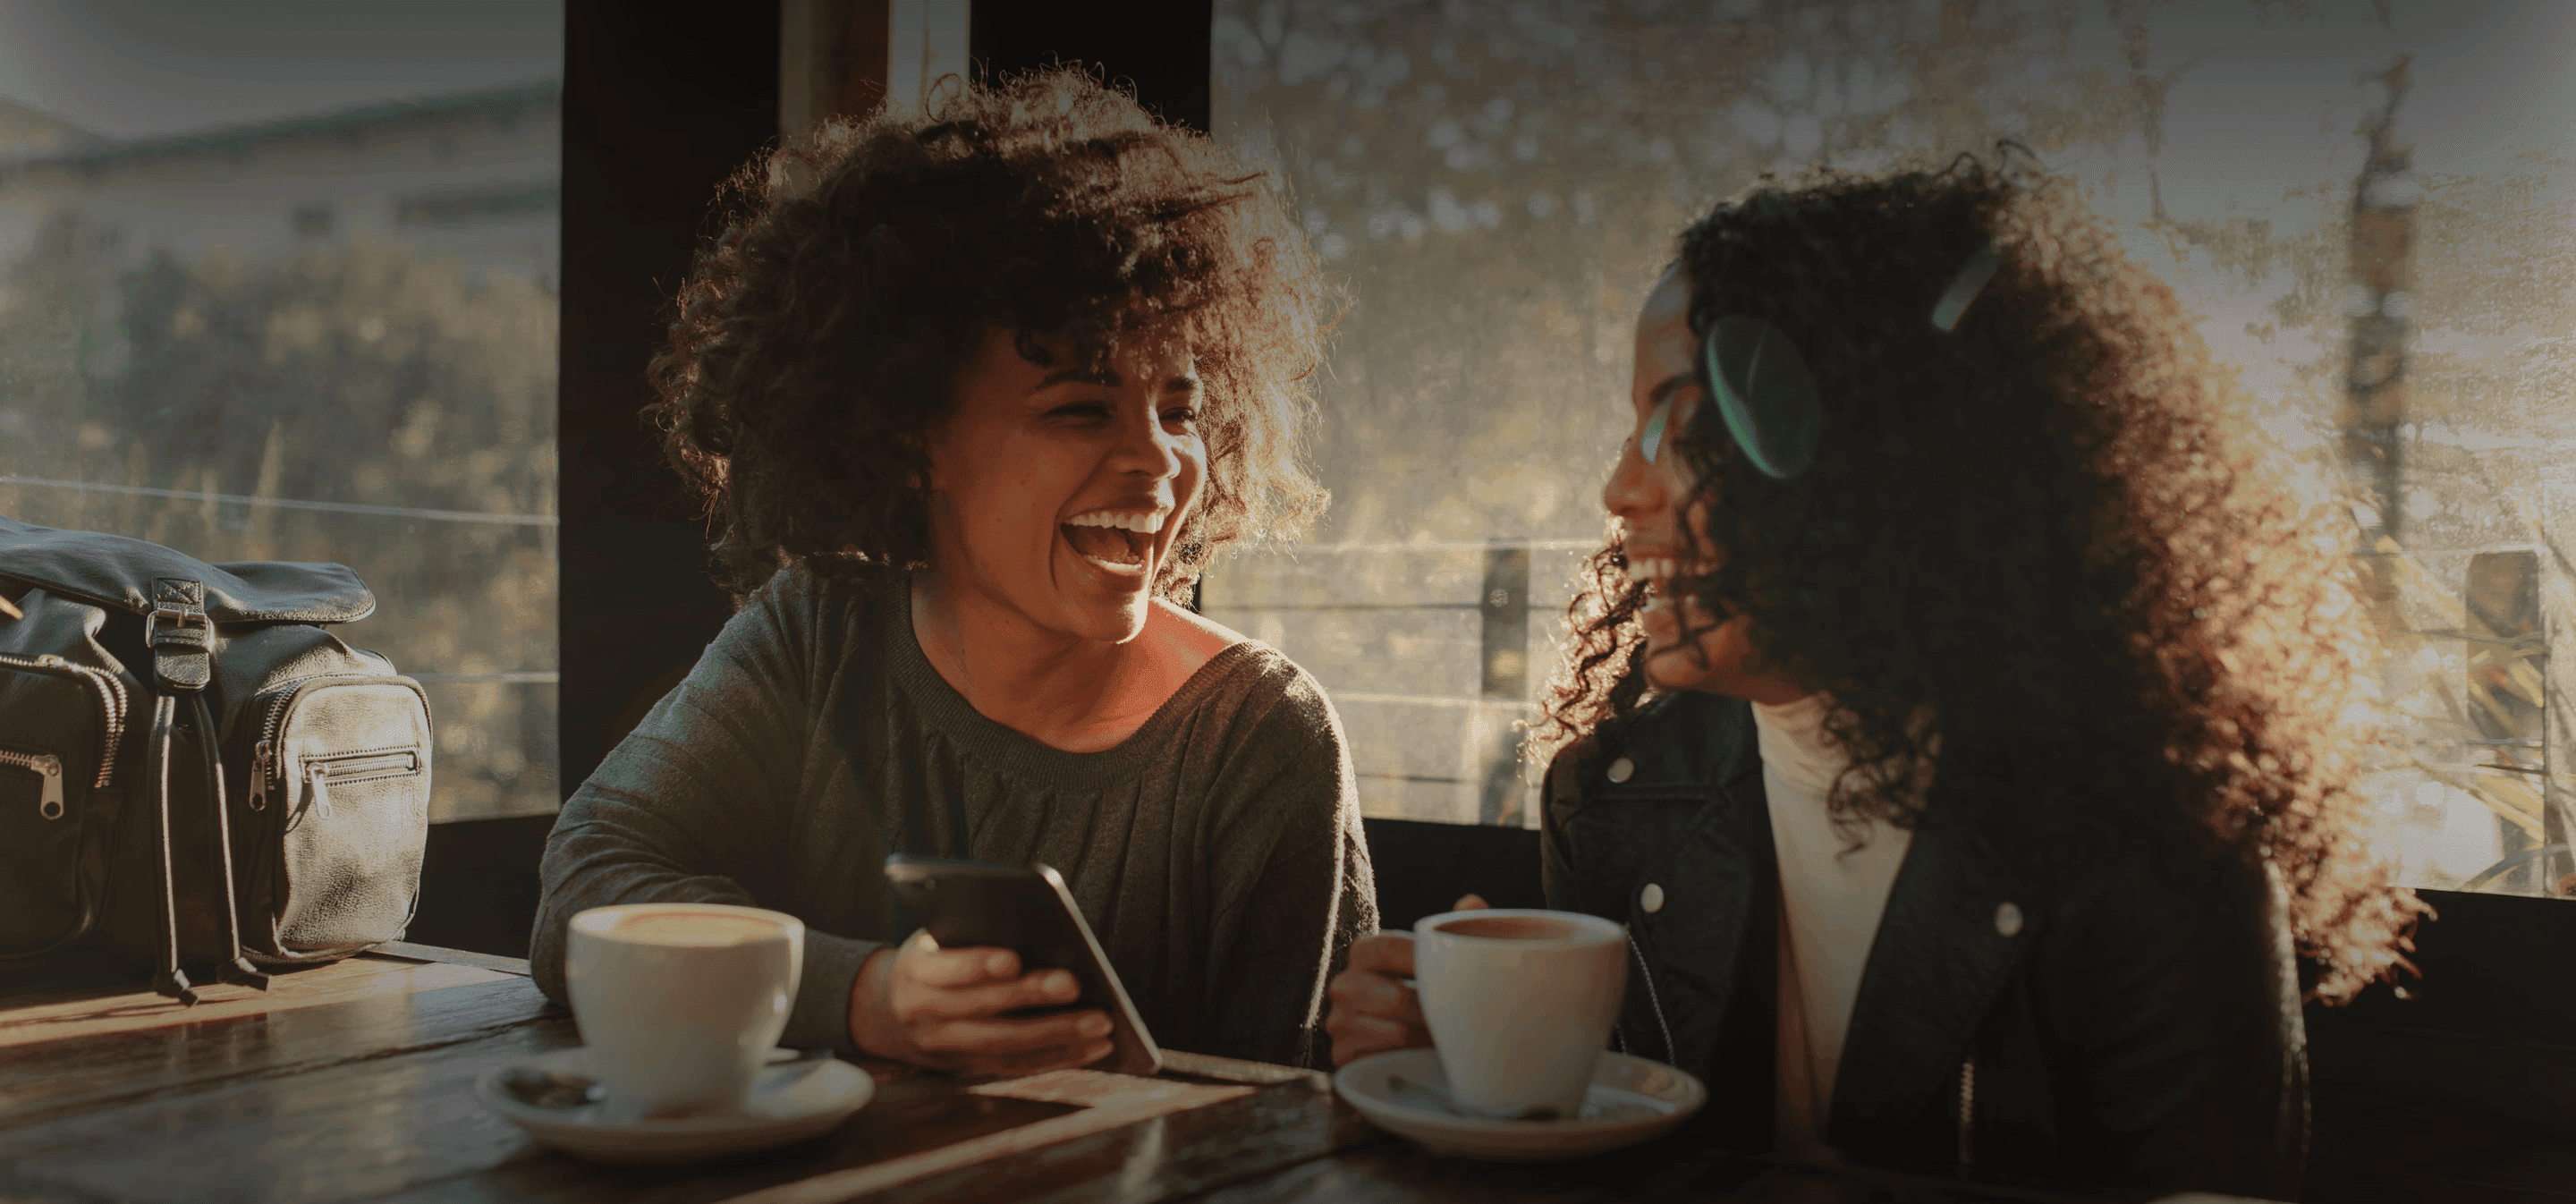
1520	1003
680	1003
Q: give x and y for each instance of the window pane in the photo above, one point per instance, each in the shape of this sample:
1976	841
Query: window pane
1502	185
272	297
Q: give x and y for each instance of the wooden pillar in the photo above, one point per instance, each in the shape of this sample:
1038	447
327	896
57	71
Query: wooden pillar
1158	47
2383	217
658	112
832	58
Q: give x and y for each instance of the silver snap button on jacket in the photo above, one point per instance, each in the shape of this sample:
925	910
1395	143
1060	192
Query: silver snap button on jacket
1651	899
1622	769
2008	919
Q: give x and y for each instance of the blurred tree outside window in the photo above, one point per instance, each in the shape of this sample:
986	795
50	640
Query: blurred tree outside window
320	332
2369	206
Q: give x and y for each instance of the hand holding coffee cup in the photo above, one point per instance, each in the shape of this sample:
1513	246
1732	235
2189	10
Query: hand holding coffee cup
1519	1004
680	1003
1374	1007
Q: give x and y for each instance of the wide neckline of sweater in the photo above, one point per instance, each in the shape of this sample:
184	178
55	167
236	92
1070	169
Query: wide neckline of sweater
948	712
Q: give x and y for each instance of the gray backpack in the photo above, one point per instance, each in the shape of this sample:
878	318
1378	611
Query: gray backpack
195	775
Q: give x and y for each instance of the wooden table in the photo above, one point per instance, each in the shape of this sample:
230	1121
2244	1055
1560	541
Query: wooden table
356	1082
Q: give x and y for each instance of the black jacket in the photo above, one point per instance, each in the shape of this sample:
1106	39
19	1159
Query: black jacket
2137	1029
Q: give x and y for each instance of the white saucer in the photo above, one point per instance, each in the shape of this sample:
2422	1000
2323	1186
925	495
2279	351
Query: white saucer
791	1100
1631	1099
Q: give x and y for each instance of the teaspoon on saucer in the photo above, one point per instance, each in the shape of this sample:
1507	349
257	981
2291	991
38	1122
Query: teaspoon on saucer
559	1089
552	1088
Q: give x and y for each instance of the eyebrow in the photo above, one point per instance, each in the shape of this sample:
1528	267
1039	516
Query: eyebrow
1108	379
1083	376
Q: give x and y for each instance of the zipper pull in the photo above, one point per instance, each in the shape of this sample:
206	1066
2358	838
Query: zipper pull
321	785
51	805
1967	1115
260	756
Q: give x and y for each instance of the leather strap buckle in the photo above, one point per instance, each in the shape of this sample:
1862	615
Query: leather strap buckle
180	618
180	634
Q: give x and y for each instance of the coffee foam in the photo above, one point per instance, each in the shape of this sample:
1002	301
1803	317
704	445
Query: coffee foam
1512	928
693	929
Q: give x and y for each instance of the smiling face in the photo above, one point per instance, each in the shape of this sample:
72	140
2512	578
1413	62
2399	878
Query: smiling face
1055	491
1648	496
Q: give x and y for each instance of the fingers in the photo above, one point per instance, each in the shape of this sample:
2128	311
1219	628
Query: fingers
1471	903
1372	1009
1374	995
1389	953
946	1003
1068	1039
1043	988
948	969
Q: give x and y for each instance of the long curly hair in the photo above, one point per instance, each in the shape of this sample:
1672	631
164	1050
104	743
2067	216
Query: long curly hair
814	342
2051	524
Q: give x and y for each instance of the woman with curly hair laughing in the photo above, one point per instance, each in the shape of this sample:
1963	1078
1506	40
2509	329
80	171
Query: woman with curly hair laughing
1961	717
971	396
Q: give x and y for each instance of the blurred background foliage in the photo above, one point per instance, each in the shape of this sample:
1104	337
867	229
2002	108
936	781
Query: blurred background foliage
1501	183
358	373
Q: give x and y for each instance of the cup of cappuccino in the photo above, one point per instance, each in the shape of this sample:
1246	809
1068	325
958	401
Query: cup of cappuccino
1520	1003
680	1003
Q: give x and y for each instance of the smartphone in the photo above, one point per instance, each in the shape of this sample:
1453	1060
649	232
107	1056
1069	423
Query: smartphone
1025	909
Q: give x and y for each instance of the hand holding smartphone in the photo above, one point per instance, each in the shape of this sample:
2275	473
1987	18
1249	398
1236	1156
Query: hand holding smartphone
1025	909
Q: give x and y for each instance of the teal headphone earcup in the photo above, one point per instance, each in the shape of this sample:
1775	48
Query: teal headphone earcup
1764	393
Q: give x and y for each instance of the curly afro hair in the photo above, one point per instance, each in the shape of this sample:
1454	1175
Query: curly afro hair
2051	523
816	339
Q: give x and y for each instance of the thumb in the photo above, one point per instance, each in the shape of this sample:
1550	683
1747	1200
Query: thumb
1471	903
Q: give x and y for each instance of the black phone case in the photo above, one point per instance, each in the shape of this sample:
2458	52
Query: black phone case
1027	910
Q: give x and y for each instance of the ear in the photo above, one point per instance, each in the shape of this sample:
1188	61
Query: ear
924	446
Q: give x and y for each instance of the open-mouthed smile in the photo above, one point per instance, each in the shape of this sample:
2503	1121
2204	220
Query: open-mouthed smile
1118	542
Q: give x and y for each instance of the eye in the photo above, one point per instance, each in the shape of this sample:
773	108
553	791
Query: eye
1087	410
1180	415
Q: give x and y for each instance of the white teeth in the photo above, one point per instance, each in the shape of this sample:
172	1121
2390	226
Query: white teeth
1143	524
1652	568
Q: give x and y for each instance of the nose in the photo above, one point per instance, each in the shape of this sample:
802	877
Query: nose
1144	448
1634	488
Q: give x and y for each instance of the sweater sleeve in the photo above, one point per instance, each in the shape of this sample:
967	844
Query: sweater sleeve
1310	889
690	805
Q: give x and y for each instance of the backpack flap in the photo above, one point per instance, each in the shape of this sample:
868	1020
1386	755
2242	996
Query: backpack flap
118	573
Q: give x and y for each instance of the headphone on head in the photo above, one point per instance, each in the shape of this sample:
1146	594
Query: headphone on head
1763	391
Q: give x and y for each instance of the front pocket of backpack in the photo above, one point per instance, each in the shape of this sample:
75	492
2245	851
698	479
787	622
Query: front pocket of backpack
39	890
58	728
353	847
354	820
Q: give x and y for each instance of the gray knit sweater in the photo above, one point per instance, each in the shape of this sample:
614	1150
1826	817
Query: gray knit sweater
1216	853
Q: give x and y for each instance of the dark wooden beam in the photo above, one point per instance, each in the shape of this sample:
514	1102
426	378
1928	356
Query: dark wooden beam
1159	47
831	60
661	105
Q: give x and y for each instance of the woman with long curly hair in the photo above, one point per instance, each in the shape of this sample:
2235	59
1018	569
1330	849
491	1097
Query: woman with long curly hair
1961	716
971	396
